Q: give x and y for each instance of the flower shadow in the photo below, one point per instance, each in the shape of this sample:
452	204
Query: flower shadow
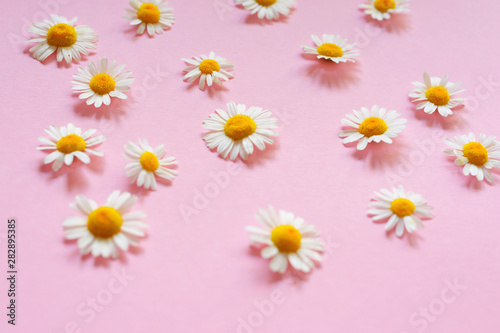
380	155
143	192
138	190
469	181
52	58
297	277
452	122
260	157
131	31
114	111
214	91
411	238
263	271
472	183
191	85
75	254
398	23
330	74
76	180
255	20
100	261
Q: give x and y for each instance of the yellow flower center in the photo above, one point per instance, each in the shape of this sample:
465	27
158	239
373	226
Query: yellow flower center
266	3
148	13
208	66
71	143
239	127
102	84
437	95
402	207
149	161
330	50
286	238
372	126
61	34
104	222
475	153
384	5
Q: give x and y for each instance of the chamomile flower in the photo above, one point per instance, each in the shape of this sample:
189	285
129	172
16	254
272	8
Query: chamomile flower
209	69
477	156
239	129
402	209
333	48
287	239
97	83
269	9
382	9
148	162
60	35
69	142
375	125
153	16
436	94
104	230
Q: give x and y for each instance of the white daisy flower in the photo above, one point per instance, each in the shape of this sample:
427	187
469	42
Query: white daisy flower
68	142
286	238
403	209
436	94
209	69
333	48
99	82
375	125
153	16
382	9
477	156
236	131
148	162
58	34
105	229
269	9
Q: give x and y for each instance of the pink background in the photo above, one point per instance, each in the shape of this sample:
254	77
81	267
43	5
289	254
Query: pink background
198	274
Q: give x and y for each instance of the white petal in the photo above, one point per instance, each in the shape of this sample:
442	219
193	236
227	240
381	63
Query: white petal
269	252
279	263
400	228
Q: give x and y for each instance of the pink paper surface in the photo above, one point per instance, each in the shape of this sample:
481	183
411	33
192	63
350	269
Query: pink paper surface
198	273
